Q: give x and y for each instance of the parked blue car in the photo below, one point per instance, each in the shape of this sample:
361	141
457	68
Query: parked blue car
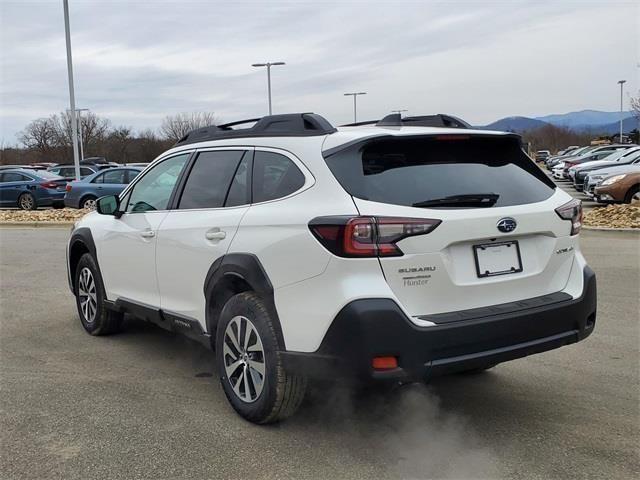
84	193
29	189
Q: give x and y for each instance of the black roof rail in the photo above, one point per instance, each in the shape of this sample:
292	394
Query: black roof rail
284	125
438	120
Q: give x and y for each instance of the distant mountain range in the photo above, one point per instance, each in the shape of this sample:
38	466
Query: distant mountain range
592	121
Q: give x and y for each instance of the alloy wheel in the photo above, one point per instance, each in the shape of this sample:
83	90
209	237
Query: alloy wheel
635	198
90	204
26	202
87	295
244	359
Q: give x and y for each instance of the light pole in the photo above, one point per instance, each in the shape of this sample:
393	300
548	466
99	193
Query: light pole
268	65
355	107
79	119
72	100
621	82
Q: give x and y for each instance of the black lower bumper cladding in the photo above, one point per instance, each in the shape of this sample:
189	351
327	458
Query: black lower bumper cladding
370	328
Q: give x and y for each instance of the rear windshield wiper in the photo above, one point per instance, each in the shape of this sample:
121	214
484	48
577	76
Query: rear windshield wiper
468	200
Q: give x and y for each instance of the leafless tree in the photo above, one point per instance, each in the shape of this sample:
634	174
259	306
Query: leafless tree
40	135
174	127
635	105
119	141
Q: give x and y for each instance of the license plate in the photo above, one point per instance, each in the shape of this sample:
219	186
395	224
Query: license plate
497	258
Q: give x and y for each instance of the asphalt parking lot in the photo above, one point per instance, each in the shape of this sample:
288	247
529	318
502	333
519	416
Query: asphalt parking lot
144	403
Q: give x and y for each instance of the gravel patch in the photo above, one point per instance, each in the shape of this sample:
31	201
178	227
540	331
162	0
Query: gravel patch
614	216
62	215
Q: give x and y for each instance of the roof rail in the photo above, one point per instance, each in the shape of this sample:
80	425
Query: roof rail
438	120
396	120
284	125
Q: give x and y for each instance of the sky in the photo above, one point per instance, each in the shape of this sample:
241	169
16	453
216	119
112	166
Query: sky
137	61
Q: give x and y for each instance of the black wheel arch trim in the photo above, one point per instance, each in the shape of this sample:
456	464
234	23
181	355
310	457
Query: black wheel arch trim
84	237
247	268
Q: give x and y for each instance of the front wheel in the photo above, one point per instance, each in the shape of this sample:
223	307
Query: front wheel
633	195
249	363
27	202
95	317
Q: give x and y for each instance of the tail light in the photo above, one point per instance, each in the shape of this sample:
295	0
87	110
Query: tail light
49	185
572	211
68	187
568	165
358	237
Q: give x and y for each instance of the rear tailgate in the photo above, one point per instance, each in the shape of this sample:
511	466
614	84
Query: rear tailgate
439	273
499	239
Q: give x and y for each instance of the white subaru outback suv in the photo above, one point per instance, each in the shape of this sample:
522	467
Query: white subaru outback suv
389	251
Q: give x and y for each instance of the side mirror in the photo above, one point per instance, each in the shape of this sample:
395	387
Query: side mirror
108	205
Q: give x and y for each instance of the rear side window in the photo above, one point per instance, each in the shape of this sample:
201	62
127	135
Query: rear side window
417	170
131	174
274	176
210	179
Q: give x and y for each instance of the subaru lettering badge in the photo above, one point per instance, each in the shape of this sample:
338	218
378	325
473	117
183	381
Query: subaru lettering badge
507	225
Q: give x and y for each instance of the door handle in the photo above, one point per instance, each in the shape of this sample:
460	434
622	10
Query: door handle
215	235
148	234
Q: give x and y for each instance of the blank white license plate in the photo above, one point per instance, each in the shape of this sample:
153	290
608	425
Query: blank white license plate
497	258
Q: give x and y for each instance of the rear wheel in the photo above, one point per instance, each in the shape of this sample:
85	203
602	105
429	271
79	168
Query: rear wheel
88	202
249	363
95	317
633	195
27	201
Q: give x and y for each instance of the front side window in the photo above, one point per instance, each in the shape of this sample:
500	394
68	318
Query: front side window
153	190
14	177
274	176
113	177
210	179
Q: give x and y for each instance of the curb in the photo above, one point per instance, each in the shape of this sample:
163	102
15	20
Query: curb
611	229
35	224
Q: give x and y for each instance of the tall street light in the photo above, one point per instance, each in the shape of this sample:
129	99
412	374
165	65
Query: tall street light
72	99
268	65
355	107
621	82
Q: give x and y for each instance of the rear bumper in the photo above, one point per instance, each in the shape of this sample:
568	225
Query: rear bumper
369	328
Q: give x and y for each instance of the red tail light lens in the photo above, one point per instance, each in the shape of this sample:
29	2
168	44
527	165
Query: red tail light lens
572	211
49	185
68	187
368	236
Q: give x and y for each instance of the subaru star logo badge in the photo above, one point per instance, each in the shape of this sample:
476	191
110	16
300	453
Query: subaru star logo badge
507	225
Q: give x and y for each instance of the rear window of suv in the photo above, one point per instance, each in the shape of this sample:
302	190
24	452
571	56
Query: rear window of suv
416	170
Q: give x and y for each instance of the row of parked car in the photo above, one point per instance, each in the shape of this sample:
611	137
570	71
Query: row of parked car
605	173
50	185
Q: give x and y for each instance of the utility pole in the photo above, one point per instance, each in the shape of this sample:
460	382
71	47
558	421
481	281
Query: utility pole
355	106
268	65
72	99
621	82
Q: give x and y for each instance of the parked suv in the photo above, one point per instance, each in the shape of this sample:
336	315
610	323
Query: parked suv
383	252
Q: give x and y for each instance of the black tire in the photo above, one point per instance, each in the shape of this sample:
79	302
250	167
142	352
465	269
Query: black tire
27	201
103	321
632	191
88	198
281	393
